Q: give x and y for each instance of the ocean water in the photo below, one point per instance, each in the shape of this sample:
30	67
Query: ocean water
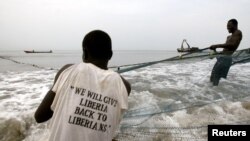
171	100
59	58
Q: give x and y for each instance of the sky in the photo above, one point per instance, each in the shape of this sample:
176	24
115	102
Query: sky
131	24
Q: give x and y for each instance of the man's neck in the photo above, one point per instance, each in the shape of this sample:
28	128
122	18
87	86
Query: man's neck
235	30
101	64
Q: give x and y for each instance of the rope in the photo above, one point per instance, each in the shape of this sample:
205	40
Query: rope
33	65
181	57
141	65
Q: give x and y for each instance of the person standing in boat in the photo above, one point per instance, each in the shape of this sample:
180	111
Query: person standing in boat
224	62
182	45
87	99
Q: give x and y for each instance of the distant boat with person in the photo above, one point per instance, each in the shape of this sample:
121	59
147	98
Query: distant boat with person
188	49
33	51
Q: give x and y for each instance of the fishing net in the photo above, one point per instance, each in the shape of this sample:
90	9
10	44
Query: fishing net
164	122
155	123
241	56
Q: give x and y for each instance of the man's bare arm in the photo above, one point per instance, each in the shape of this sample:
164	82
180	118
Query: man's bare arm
231	43
43	112
127	85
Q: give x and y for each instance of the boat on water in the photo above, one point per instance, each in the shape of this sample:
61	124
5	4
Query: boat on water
188	49
192	49
33	51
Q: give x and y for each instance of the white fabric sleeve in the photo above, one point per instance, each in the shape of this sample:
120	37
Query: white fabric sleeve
123	95
55	89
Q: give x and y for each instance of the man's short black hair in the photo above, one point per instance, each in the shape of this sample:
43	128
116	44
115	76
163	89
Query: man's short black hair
234	22
98	43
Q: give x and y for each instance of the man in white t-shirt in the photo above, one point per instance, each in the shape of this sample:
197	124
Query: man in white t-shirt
87	100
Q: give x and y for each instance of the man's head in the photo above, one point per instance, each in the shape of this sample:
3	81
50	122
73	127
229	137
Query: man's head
97	45
232	25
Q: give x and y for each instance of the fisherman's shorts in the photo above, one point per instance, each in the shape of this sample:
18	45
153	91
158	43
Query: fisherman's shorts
220	69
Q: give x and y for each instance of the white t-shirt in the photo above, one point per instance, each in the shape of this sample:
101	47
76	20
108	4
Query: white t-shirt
88	104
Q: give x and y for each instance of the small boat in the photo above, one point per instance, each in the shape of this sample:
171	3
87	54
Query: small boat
188	49
192	49
33	51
